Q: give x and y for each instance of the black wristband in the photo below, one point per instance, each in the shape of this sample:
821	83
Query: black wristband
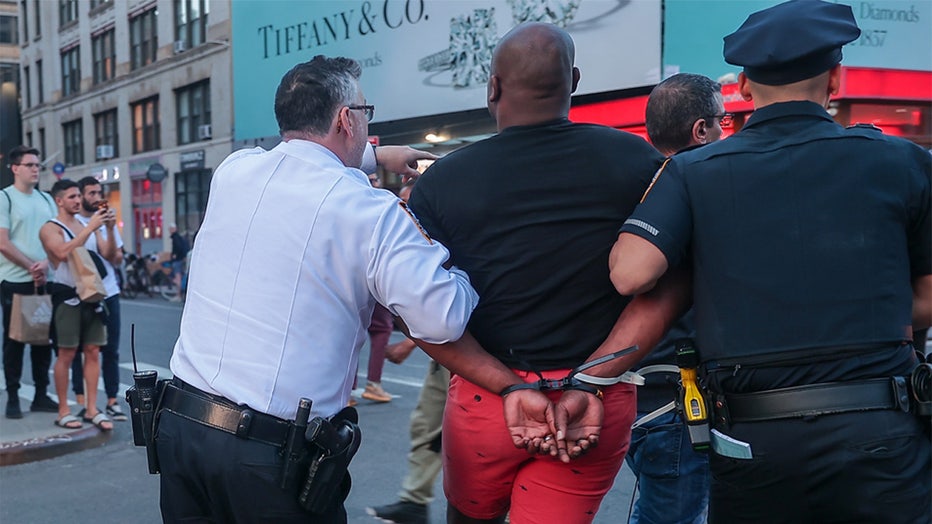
515	387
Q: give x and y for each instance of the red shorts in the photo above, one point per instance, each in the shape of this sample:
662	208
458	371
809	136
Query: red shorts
485	475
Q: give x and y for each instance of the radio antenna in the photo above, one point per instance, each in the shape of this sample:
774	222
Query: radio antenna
132	344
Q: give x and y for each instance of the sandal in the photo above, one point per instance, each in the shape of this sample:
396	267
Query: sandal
69	422
115	412
84	417
100	419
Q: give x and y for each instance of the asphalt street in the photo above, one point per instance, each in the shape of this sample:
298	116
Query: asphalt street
110	484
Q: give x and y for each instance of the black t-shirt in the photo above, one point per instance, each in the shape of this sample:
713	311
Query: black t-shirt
531	215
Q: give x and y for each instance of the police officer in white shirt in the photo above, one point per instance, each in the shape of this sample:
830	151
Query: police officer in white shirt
295	250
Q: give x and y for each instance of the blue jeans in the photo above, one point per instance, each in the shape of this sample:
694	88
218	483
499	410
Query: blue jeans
109	355
673	480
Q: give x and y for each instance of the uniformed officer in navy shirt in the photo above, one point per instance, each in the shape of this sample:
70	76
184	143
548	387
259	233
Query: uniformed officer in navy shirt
811	261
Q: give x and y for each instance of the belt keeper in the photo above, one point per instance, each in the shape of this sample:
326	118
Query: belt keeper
245	420
901	393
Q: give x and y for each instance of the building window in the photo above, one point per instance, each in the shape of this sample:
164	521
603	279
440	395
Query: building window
191	190
9	73
143	39
191	21
105	130
25	14
104	56
29	139
74	142
193	105
8	30
71	71
39	83
38	16
97	3
27	98
146	125
67	11
42	140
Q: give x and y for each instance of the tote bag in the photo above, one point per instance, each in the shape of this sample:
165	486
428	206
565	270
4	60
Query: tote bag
87	273
30	318
87	282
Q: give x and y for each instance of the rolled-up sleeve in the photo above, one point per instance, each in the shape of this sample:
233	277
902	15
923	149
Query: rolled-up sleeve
406	275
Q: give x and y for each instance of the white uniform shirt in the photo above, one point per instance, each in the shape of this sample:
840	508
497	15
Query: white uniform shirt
294	251
110	281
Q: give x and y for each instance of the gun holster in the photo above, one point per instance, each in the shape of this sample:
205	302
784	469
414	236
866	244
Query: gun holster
332	442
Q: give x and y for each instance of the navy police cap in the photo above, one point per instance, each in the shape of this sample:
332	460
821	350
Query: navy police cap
791	41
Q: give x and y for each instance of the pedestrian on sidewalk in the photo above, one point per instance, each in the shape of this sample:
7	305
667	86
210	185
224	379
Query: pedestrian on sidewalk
179	255
76	322
23	270
380	330
92	199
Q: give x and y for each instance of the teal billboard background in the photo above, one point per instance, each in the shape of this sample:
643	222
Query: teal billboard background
895	34
428	57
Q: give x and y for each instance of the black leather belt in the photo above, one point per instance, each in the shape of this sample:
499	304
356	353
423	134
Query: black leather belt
812	400
188	402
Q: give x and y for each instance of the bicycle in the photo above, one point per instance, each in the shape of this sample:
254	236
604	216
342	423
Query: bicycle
137	278
164	283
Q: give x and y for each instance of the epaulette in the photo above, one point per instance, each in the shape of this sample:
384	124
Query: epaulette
859	125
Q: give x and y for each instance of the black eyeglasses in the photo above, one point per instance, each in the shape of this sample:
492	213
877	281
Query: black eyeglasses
31	165
369	109
725	119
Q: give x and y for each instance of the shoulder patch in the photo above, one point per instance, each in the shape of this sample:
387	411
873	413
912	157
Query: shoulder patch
416	223
654	180
860	125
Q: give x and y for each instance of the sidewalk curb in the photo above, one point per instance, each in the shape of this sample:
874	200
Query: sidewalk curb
12	453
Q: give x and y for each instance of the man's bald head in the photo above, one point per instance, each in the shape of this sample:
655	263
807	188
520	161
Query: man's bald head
532	74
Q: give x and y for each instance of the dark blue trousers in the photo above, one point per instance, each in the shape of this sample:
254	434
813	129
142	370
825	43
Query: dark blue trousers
13	351
212	476
868	467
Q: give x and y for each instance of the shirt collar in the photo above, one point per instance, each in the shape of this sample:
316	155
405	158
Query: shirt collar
548	123
318	154
802	108
306	149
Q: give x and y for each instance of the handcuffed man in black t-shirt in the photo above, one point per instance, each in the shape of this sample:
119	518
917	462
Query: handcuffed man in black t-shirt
531	215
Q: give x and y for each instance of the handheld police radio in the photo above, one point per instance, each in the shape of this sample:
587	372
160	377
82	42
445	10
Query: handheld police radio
142	398
691	401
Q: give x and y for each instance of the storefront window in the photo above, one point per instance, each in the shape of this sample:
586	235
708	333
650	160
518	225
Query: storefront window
147	215
912	122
